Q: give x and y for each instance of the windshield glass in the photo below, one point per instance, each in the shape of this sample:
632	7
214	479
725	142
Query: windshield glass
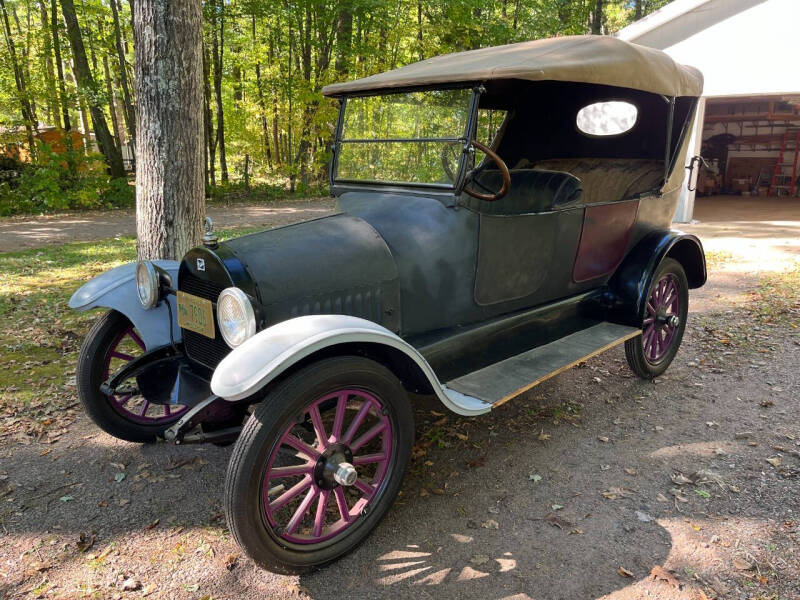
403	138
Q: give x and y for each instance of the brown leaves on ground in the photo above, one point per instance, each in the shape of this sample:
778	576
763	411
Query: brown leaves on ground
659	573
613	493
557	521
85	541
623	572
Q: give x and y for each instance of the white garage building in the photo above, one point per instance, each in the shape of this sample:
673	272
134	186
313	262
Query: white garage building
749	117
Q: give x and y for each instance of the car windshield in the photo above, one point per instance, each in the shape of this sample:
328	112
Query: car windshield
404	138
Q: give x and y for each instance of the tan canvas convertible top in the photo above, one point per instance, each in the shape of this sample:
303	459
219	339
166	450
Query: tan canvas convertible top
581	58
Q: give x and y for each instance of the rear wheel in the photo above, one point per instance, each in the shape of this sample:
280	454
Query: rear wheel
318	464
112	342
666	309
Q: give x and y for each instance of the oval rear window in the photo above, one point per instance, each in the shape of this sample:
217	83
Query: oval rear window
607	118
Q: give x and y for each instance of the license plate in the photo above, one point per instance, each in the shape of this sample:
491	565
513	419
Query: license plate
195	314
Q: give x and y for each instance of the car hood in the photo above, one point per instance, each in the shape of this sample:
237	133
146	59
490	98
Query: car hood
332	265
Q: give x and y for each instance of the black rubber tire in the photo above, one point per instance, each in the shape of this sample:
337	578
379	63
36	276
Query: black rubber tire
244	480
634	348
89	376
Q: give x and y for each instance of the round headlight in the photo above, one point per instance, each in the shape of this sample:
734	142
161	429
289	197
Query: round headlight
235	316
147	283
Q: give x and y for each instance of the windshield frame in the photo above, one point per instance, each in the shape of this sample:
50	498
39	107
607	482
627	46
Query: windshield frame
464	139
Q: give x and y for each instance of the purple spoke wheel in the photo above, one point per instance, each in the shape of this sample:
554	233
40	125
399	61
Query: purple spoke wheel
125	347
327	467
662	318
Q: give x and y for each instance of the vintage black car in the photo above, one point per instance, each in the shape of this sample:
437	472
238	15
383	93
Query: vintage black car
503	214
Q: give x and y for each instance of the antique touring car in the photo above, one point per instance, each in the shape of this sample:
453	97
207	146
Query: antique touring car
503	214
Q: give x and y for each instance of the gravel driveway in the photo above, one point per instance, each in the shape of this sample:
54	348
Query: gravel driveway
593	485
19	233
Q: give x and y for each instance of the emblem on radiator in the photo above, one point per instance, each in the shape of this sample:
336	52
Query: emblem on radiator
201	264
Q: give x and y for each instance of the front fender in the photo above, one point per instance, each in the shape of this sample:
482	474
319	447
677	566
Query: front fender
262	358
117	289
634	276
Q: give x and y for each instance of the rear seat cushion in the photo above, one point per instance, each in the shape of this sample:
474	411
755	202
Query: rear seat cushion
531	191
609	179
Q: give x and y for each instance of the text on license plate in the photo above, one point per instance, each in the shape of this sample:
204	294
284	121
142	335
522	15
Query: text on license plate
195	314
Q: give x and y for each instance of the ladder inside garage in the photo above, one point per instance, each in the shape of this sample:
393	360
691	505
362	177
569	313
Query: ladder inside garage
784	183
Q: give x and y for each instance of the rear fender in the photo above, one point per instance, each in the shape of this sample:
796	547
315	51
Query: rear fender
271	352
116	289
633	278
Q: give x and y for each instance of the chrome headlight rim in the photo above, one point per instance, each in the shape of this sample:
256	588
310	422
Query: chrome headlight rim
243	300
147	290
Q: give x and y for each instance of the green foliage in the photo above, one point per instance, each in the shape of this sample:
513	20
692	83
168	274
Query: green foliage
275	59
61	181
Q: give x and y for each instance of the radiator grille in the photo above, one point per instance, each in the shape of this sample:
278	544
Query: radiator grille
198	347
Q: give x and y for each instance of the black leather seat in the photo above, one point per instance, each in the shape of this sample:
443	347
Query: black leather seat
531	191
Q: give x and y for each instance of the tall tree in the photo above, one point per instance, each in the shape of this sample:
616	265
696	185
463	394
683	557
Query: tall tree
87	85
217	52
128	113
28	116
62	85
597	18
169	124
49	73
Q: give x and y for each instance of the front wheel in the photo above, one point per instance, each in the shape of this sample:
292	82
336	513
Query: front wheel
666	309
112	342
318	464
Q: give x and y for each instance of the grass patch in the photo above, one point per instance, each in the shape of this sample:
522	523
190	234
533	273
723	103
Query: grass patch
776	299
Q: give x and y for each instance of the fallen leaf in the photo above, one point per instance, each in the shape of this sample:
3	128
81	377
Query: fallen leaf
119	477
462	437
703	494
661	574
680	479
662	498
742	564
230	561
643	516
557	507
85	541
632	472
423	492
617	492
543	437
623	572
576	531
557	521
479	559
131	585
775	461
602	438
124	501
149	526
490	524
535	477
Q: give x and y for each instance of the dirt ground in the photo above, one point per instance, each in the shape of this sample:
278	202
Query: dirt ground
19	233
593	485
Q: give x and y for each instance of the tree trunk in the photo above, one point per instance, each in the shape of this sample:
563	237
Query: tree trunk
169	123
130	115
86	83
344	39
50	76
112	104
217	49
211	141
62	85
19	80
637	10
262	105
597	18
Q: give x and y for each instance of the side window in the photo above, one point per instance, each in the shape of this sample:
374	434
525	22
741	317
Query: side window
613	117
489	122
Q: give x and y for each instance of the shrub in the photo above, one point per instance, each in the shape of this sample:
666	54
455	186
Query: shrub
61	181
